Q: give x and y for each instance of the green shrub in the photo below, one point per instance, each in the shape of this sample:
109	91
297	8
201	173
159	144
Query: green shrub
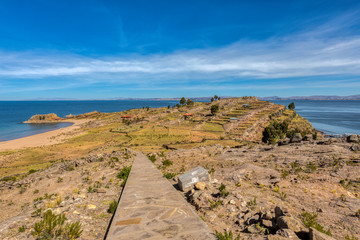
310	220
214	109
53	226
251	203
167	163
152	158
311	166
223	192
22	229
169	175
215	204
275	131
112	207
124	174
31	171
226	236
9	178
291	106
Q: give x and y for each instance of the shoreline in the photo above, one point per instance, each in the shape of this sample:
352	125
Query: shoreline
43	139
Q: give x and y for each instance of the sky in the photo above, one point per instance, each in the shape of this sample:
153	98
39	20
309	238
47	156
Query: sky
93	49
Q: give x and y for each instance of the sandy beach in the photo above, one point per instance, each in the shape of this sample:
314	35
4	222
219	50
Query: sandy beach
43	139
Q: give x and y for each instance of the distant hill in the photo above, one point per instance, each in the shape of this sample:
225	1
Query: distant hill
352	97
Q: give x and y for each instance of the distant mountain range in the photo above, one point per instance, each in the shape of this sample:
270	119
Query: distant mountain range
274	98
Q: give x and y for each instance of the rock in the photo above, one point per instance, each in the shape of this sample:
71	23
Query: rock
267	216
91	207
211	216
308	137
353	138
200	185
199	199
280	211
267	223
188	179
232	201
287	233
355	148
252	229
254	219
99	190
296	138
316	235
283	142
290	223
43	118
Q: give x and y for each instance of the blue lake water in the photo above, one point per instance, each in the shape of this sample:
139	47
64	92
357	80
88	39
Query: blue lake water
13	113
331	117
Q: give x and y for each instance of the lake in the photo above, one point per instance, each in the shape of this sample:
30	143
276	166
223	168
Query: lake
13	113
330	117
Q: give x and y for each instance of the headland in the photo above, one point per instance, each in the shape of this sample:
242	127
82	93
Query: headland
273	176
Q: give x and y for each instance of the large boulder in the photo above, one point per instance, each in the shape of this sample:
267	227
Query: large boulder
316	235
353	138
190	178
308	137
291	223
296	138
44	118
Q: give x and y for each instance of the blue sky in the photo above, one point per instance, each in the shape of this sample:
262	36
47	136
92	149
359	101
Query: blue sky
106	49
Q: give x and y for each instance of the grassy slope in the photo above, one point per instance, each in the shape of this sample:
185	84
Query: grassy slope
154	128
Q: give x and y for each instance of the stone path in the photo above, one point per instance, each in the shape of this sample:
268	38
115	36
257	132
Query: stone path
151	208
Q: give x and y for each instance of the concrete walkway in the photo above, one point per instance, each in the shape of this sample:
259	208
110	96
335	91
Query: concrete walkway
151	208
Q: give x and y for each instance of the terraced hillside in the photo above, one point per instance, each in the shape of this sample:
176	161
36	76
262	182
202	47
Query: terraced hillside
150	130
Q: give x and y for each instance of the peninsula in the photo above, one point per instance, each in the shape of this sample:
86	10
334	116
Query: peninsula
271	174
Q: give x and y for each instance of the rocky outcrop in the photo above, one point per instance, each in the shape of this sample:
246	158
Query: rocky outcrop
44	118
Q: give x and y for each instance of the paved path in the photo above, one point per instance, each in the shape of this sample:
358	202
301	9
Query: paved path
151	208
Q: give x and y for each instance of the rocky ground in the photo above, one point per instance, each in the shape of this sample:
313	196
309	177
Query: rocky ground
268	192
82	189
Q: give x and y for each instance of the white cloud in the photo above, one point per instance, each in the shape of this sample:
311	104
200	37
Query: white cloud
314	52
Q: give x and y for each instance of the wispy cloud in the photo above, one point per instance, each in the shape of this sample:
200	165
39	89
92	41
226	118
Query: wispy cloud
310	53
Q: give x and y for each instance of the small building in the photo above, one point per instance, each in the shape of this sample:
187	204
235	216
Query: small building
246	106
233	119
126	116
187	115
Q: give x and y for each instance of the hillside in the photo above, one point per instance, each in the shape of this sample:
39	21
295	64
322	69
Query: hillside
80	176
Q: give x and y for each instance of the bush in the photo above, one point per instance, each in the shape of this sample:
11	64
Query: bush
152	158
124	174
53	227
310	220
226	236
167	163
112	207
214	109
291	106
182	101
275	131
223	192
169	175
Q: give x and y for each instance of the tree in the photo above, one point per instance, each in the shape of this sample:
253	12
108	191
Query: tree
190	102
182	101
214	109
212	99
291	106
216	97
